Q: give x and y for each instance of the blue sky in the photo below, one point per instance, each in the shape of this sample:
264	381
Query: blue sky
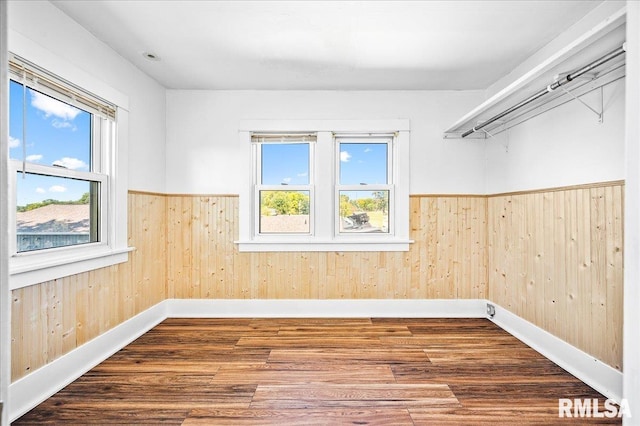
359	163
56	134
363	163
285	164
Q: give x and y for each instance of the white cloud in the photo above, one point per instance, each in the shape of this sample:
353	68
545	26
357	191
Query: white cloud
13	142
71	163
63	125
34	158
57	188
286	180
344	156
302	174
40	190
367	150
52	106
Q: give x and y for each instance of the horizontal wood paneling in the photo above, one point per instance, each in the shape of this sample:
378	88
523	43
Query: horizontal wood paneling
55	317
448	259
556	260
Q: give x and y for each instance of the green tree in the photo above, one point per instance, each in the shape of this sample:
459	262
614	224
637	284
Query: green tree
346	208
285	202
381	200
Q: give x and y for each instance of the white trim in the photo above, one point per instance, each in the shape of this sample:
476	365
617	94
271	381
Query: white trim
351	126
600	376
631	308
5	291
35	268
31	390
383	243
45	59
323	236
25	271
326	308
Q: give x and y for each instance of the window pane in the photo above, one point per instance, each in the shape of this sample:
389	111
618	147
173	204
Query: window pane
285	164
364	211
55	212
284	212
56	133
363	163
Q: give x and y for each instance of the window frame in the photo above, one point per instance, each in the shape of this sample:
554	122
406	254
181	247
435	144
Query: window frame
324	237
389	140
258	186
33	267
100	133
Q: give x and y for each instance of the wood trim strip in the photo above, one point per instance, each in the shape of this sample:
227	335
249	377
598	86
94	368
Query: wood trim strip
499	194
136	192
447	196
528	191
160	194
561	188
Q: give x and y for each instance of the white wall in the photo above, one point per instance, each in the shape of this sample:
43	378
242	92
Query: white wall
44	24
631	344
5	293
564	146
203	155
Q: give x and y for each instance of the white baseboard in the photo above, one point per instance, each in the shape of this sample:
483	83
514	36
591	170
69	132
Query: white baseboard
326	308
29	391
600	376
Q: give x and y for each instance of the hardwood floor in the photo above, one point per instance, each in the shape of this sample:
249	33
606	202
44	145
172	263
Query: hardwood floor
320	371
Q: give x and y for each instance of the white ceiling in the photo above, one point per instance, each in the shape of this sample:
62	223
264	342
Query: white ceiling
326	44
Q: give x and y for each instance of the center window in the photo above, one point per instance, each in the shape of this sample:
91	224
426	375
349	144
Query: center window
325	185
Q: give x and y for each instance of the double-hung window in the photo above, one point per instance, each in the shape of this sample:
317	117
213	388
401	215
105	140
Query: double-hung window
62	167
324	185
364	184
284	186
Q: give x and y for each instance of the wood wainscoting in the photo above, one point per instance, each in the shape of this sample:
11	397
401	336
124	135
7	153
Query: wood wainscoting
55	317
447	260
552	257
556	260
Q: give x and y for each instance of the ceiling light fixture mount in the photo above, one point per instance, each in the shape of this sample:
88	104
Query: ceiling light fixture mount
151	56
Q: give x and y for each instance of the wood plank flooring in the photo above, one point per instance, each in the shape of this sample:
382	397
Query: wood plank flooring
320	372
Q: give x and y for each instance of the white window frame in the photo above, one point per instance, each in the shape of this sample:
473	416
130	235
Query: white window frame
388	140
325	208
28	268
259	186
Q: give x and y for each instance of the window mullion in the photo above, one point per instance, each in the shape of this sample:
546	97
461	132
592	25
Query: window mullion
39	169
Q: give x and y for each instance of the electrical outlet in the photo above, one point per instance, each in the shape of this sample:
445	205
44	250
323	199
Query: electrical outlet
491	310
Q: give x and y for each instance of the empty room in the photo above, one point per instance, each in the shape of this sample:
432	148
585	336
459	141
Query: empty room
320	212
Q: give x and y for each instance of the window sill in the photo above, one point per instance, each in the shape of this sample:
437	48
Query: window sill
34	268
324	246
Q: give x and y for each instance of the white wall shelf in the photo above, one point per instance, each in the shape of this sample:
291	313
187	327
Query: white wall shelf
585	47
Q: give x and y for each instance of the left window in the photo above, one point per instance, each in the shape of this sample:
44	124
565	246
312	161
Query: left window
54	147
61	140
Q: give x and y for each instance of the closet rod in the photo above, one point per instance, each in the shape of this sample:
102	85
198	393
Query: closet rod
566	79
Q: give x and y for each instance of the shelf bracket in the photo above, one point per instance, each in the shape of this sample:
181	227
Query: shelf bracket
598	113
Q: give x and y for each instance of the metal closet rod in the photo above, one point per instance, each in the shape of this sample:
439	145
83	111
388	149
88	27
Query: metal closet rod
550	88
